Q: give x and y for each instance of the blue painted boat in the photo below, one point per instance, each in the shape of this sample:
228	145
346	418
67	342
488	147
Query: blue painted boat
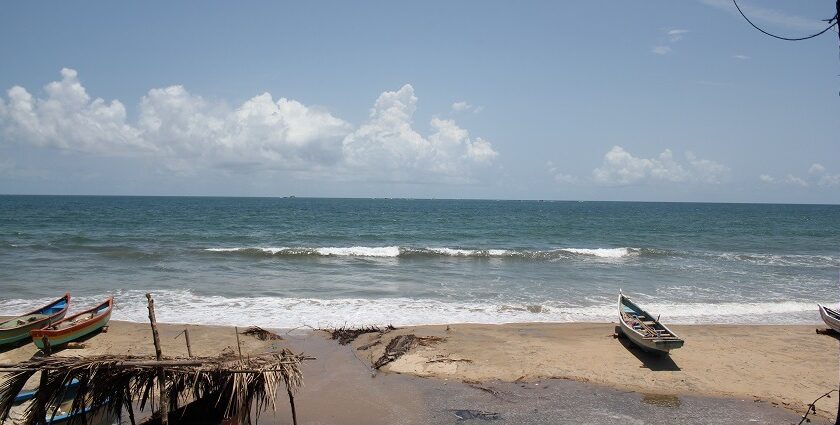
18	328
90	415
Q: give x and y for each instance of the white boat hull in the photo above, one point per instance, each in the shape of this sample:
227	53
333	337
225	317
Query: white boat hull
830	317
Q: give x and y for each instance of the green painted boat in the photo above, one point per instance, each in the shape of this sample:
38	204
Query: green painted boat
75	326
18	328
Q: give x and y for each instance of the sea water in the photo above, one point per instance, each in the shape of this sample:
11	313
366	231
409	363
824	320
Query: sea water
288	262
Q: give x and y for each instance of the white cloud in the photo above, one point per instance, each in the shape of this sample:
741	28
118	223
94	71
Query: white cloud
185	132
791	179
463	106
820	177
661	50
621	167
67	118
767	178
830	180
387	142
558	176
816	169
741	57
670	38
676	35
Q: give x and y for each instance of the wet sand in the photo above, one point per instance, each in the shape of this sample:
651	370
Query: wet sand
528	373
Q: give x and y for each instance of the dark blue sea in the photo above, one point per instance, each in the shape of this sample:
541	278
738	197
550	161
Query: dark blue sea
287	262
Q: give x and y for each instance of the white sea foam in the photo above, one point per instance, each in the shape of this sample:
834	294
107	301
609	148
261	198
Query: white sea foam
601	252
186	306
361	251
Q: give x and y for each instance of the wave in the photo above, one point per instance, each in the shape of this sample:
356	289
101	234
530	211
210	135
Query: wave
408	252
185	306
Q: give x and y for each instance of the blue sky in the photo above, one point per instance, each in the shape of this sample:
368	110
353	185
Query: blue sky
655	101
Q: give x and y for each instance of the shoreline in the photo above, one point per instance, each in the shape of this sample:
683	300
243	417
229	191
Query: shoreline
774	365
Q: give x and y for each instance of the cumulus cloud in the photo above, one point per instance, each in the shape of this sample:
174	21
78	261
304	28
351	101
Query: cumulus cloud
388	141
816	168
621	167
819	176
67	118
184	131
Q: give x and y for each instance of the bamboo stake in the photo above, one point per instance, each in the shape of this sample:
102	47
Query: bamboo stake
187	337
164	400
238	345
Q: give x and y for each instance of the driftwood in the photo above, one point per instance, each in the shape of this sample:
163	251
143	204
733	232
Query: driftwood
812	407
395	349
346	335
261	334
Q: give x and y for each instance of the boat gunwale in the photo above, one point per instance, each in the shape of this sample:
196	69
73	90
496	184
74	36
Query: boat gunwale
66	298
38	333
651	340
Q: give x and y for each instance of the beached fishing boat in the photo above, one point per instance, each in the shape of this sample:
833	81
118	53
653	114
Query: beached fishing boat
62	413
643	330
75	326
830	317
18	328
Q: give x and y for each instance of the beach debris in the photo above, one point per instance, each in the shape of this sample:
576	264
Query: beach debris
447	359
812	407
395	349
346	335
467	414
261	334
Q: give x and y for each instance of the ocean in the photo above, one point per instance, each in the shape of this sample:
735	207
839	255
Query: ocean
290	262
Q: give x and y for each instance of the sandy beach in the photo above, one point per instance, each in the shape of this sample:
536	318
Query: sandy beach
784	366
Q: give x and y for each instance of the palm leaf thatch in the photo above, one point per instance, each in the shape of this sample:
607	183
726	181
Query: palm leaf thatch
231	384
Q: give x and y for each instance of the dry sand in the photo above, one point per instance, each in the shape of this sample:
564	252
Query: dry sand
785	365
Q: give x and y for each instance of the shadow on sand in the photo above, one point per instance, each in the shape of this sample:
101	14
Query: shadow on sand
654	362
15	345
830	332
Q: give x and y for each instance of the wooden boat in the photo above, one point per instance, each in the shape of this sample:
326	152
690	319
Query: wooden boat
75	326
62	413
643	330
830	317
18	329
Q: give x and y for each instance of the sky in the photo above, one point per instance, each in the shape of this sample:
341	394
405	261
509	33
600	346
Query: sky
646	101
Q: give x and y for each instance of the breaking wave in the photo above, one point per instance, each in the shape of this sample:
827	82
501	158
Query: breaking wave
186	306
408	252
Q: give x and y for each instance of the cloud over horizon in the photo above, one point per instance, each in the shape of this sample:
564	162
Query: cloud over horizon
620	167
185	132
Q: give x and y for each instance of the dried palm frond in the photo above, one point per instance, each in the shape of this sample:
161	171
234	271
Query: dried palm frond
112	382
261	334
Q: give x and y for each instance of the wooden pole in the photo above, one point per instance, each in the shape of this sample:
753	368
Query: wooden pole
164	400
292	404
238	345
187	337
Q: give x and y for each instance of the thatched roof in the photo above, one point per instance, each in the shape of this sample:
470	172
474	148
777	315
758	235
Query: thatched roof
112	382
